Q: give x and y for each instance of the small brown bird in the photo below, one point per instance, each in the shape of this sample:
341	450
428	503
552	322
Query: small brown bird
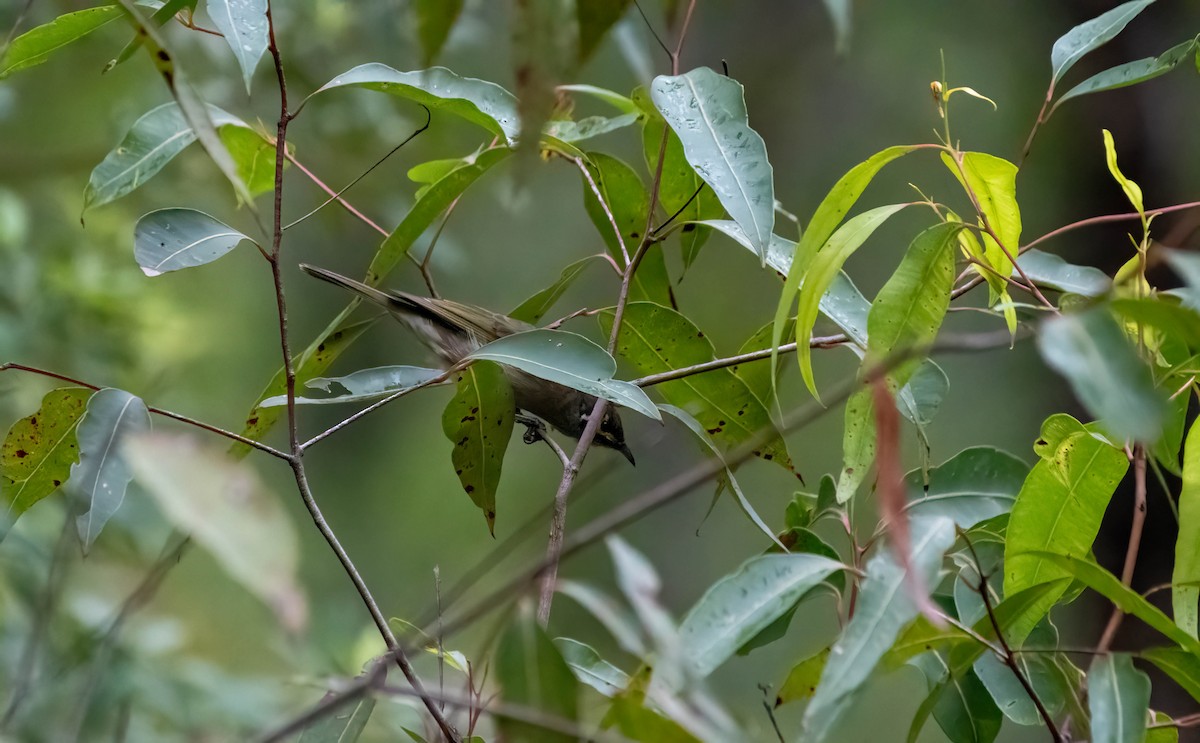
453	330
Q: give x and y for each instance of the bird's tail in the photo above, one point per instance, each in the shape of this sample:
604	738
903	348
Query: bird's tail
384	299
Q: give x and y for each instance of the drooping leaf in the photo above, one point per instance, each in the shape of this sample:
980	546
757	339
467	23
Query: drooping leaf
480	102
37	44
758	374
993	183
640	584
164	13
1181	665
1132	190
1185	577
535	308
590	668
909	309
365	384
98	480
1049	270
39	451
587	128
1090	35
434	19
801	681
571	360
656	339
595	18
153	141
608	612
708	113
839	15
478	420
1097	358
884	609
1131	73
1062	501
1118	696
175	238
244	24
743	502
226	509
976	484
343	725
254	156
532	673
822	271
858	443
738	606
963	708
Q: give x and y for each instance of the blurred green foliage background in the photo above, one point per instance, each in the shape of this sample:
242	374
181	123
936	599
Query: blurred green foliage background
204	342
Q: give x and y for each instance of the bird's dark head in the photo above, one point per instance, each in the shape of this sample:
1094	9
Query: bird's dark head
612	435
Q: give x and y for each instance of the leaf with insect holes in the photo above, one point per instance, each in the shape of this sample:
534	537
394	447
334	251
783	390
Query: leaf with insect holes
478	420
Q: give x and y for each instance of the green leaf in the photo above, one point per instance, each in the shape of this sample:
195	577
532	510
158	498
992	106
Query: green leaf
1090	35
1187	544
535	308
1105	372
478	420
244	24
365	384
98	480
641	586
39	451
839	15
708	113
993	181
1169	445
1123	597
533	674
1161	312
568	359
974	485
434	20
1131	73
1047	269
608	612
227	510
921	397
1118	696
595	18
254	156
1062	501
344	725
1187	266
858	443
743	502
740	605
823	270
590	668
640	722
543	50
656	339
963	708
153	141
592	126
480	102
1181	665
622	103
758	375
36	45
801	681
1133	191
430	204
171	239
312	362
164	13
884	608
909	309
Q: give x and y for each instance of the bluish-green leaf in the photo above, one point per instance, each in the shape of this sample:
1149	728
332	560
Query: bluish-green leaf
1118	696
175	238
480	102
976	484
885	606
100	477
244	24
1187	265
37	44
1131	73
595	18
343	725
590	668
1048	269
478	420
738	606
708	113
571	360
365	384
1090	35
1097	358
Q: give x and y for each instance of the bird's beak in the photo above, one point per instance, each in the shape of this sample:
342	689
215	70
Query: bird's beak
627	454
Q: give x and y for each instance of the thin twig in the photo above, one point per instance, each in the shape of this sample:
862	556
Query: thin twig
1136	526
297	459
603	205
821	341
157	411
423	266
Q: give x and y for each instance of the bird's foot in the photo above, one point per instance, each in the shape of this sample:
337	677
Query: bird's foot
535	428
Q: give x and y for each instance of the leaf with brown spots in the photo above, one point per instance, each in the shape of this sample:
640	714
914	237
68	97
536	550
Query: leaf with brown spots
38	452
657	339
479	422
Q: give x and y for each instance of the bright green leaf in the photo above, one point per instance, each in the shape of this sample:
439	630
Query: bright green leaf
36	45
858	443
801	681
1133	192
254	155
1187	544
1181	665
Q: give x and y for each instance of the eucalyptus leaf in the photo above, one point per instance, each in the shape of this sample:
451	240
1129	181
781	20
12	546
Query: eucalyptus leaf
1187	266
37	44
535	308
100	477
532	673
590	668
434	20
244	25
1131	73
568	359
1090	35
1118	696
478	420
175	238
1185	576
343	725
365	384
976	484
1047	269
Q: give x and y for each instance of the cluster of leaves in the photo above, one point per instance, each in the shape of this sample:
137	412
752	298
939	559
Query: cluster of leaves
980	549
